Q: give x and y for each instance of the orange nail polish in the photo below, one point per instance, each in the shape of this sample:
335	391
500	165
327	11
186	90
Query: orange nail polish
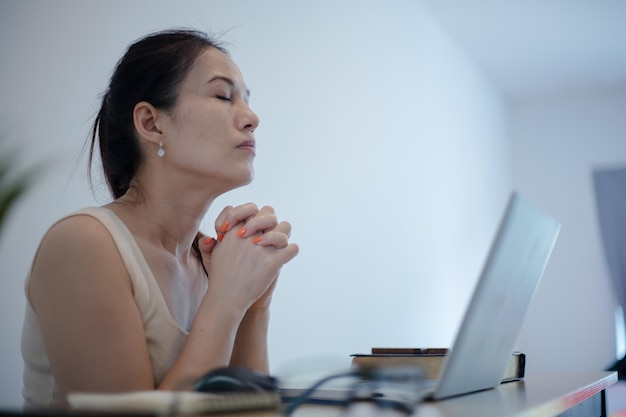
220	236
209	240
224	227
257	239
242	232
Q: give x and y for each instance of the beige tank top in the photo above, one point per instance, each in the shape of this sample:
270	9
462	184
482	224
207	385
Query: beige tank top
165	338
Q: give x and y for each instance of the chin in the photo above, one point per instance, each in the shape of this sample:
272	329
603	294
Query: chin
250	174
243	180
250	178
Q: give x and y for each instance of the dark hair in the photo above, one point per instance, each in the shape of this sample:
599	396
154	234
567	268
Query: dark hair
151	70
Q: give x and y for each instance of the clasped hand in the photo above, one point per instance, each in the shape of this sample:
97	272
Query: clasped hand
244	261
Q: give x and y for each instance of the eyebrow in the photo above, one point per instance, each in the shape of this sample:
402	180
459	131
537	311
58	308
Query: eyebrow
229	82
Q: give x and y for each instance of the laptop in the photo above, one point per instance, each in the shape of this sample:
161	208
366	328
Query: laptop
494	317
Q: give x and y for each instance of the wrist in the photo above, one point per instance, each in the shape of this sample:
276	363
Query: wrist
257	313
225	310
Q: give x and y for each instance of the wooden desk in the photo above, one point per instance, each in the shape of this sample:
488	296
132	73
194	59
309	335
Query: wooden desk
539	395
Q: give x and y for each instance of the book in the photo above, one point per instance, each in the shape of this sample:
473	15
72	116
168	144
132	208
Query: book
430	360
173	402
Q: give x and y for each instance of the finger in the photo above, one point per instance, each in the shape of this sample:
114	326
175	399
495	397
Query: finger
263	221
221	222
207	244
231	216
284	227
288	253
278	236
273	238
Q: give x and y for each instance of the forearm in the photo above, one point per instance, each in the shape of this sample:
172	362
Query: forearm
250	348
209	345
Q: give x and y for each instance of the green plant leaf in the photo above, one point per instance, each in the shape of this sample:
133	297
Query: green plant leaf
13	184
9	195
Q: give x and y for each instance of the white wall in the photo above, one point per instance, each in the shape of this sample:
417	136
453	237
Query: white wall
557	143
379	141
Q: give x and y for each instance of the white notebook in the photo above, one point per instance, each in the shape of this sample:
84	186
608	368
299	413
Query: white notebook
173	402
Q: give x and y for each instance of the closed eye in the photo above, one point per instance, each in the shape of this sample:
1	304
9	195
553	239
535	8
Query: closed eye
223	98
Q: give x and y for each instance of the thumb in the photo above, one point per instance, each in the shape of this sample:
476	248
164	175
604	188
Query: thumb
206	245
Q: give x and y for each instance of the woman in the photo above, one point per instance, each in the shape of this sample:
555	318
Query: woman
130	296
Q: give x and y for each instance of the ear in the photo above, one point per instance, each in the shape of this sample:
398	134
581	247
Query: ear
146	120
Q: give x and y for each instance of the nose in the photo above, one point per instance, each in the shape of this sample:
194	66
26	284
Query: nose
248	120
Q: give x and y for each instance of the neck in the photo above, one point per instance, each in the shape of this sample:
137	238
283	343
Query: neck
164	219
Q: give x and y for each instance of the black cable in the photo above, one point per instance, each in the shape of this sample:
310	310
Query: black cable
399	375
302	398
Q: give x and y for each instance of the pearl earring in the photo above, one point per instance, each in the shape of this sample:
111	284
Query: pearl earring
161	151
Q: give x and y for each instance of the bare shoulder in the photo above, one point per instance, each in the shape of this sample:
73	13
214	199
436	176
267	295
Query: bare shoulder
75	237
77	223
76	251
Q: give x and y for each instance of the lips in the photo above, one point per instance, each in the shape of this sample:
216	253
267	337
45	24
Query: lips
248	145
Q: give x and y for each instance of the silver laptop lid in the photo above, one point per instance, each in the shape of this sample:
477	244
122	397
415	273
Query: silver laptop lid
495	315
